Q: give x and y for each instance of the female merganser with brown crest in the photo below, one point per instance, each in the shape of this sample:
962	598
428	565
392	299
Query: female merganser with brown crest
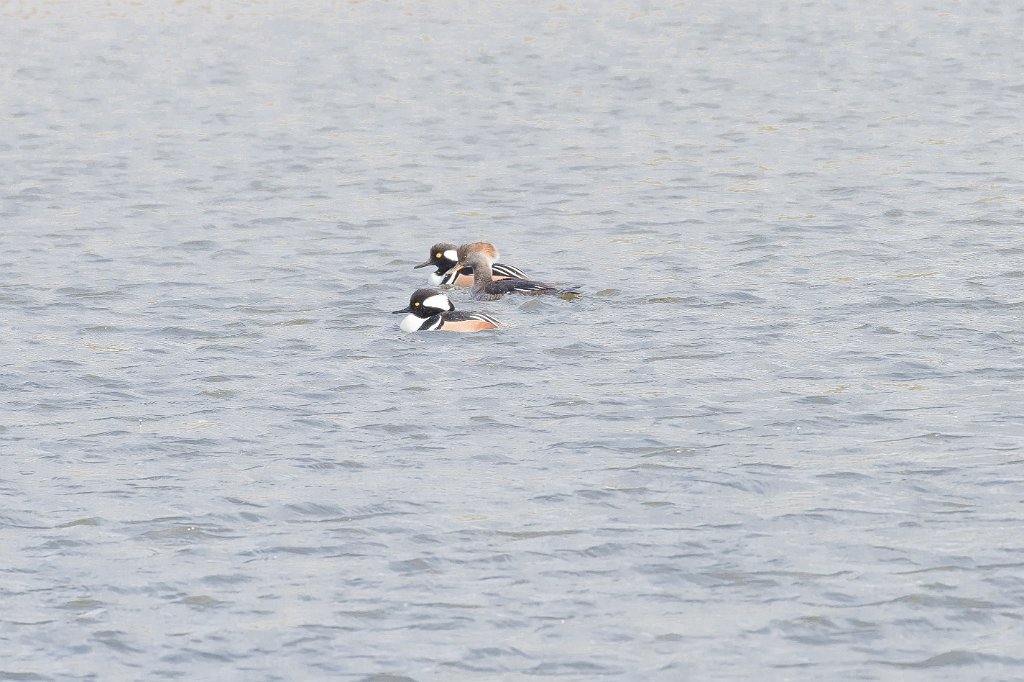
486	288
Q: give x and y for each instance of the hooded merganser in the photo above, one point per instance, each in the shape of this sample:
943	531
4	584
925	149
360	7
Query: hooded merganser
445	256
429	310
486	288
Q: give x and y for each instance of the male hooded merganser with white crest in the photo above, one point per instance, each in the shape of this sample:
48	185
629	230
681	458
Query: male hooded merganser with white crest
430	310
445	256
486	288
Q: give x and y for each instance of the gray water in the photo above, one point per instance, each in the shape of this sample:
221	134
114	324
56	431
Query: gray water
779	437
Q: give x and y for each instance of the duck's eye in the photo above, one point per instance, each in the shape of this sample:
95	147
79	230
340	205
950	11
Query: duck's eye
437	255
416	304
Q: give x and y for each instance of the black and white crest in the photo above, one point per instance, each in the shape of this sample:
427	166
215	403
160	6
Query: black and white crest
425	310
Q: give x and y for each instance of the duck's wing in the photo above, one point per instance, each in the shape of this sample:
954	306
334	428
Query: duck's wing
463	316
511	271
519	286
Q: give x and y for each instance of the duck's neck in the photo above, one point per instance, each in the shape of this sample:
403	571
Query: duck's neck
482	274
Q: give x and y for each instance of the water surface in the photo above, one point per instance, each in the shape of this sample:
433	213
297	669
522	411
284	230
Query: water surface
779	437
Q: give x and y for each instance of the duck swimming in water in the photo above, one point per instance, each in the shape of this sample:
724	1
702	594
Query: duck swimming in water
487	288
444	257
431	310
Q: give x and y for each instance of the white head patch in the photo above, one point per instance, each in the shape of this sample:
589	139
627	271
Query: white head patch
439	301
452	254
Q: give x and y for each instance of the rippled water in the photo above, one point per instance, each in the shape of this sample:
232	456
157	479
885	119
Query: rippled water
779	437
